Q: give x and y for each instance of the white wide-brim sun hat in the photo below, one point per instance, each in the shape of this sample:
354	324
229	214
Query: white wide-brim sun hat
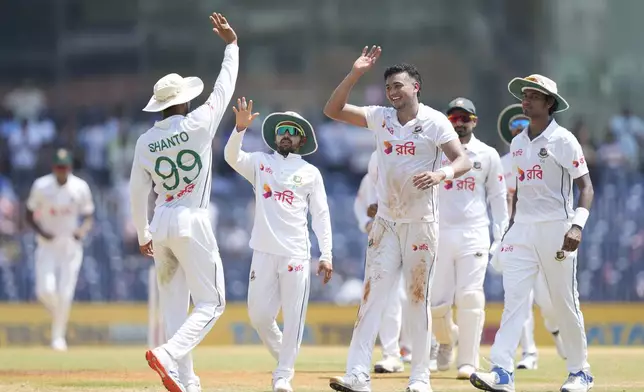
538	83
173	89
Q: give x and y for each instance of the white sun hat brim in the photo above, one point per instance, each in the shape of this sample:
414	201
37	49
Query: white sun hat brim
191	88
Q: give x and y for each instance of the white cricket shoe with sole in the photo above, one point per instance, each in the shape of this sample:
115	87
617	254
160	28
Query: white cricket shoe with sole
464	372
418	386
528	362
578	382
193	388
282	385
497	380
445	357
389	365
166	367
59	344
351	383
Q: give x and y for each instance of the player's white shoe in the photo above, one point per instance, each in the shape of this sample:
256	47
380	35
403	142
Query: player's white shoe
351	383
578	382
465	371
497	380
559	344
162	363
405	355
389	365
193	387
528	362
418	386
445	357
59	344
282	385
433	356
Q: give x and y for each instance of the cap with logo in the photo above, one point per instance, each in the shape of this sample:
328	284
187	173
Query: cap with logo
462	103
62	157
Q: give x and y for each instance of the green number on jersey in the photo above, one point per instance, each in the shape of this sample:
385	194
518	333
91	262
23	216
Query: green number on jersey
174	168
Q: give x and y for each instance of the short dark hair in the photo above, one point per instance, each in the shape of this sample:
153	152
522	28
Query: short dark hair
554	106
411	70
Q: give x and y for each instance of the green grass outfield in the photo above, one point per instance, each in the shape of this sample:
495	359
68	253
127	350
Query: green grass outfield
247	369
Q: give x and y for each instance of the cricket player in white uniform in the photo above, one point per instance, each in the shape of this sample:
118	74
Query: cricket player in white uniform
396	349
404	235
464	244
286	189
544	235
56	204
510	123
175	156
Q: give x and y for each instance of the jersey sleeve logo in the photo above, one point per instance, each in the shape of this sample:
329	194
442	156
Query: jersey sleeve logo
580	162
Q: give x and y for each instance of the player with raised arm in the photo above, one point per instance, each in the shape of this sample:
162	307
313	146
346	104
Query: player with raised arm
544	235
175	156
510	123
464	244
55	205
404	235
286	189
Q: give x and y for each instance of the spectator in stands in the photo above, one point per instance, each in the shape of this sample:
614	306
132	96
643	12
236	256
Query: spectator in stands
614	161
95	138
26	102
581	132
629	132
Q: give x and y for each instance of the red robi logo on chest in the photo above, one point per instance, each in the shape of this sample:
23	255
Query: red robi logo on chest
296	268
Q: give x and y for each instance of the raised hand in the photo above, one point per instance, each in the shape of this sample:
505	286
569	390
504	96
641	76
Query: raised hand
222	28
244	115
367	59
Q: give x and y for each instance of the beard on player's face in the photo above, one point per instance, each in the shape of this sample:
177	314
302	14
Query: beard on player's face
287	144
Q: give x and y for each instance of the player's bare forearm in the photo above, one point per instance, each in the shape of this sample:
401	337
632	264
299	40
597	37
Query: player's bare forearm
32	222
337	107
454	151
586	191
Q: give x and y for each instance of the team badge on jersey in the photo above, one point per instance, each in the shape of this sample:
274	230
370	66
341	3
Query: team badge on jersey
476	165
543	153
297	180
418	129
560	256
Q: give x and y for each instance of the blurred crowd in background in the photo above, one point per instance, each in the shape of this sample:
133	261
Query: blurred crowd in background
81	80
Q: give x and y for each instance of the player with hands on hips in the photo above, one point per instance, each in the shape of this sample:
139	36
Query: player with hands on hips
174	157
510	123
543	235
286	189
55	205
464	244
403	238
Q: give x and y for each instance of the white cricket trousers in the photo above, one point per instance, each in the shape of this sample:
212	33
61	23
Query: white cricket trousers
279	282
525	250
189	266
541	297
393	333
460	273
57	264
395	248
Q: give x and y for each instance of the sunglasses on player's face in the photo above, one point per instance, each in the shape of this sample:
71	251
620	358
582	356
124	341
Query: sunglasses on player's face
519	123
292	130
464	118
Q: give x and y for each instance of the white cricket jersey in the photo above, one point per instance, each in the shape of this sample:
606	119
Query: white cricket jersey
286	189
508	173
366	194
463	201
402	152
175	155
545	169
58	208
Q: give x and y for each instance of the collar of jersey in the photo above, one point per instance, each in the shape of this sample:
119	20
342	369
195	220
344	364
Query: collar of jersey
165	123
545	134
422	115
289	156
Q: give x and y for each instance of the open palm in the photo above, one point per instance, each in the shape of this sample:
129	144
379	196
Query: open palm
244	115
367	59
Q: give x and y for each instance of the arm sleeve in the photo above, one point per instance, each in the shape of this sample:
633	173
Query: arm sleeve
497	195
87	204
243	162
444	132
572	158
320	218
361	204
212	111
140	185
375	117
34	201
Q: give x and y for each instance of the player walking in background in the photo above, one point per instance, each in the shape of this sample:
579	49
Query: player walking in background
286	189
396	348
175	156
55	205
510	123
404	234
544	235
464	244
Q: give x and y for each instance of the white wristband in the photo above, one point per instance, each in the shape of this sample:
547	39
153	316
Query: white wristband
581	216
449	172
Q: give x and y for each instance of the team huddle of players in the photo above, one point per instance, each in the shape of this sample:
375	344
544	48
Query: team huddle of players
425	161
